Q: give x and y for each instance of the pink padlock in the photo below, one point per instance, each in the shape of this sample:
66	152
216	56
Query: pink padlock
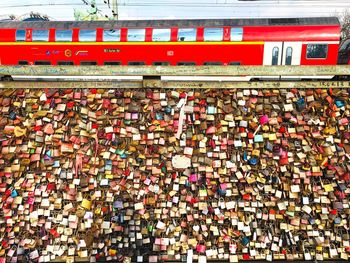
30	200
211	130
200	248
262	121
193	178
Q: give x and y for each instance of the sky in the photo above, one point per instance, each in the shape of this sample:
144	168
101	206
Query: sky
181	9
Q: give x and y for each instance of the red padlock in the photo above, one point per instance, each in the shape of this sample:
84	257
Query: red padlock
194	200
182	95
247	197
54	232
51	186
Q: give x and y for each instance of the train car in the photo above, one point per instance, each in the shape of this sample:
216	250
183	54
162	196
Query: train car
287	41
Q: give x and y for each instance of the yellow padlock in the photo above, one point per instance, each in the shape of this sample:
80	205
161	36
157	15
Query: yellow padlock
112	252
319	248
328	187
19	131
86	204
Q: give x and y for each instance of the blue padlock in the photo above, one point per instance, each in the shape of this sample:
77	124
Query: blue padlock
56	164
12	115
269	146
311	220
221	191
300	104
245	241
159	116
253	161
339	103
337	220
274	179
245	156
167	110
48	153
14	194
108	165
211	110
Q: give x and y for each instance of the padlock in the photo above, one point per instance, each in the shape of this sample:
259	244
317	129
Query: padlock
86	203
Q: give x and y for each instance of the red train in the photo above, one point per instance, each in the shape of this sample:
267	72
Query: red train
287	41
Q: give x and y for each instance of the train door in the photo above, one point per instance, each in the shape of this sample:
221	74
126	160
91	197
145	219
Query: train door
282	53
291	53
273	53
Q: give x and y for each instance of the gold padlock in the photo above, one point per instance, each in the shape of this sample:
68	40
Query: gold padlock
85	203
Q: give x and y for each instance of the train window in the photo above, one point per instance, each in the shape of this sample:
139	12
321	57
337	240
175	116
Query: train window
289	53
213	34
112	63
20	35
161	34
317	51
275	54
42	62
88	63
236	34
187	34
64	35
136	63
40	35
111	35
87	35
212	63
234	63
160	63
22	62
186	64
136	35
65	63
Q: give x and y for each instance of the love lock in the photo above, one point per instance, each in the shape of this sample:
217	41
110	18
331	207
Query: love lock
202	174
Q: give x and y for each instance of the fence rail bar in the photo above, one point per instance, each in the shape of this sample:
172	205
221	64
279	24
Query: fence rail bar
174	84
175	70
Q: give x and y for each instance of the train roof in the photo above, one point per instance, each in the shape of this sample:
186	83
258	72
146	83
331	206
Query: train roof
173	23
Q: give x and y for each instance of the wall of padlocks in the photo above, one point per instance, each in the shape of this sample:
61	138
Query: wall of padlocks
188	175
